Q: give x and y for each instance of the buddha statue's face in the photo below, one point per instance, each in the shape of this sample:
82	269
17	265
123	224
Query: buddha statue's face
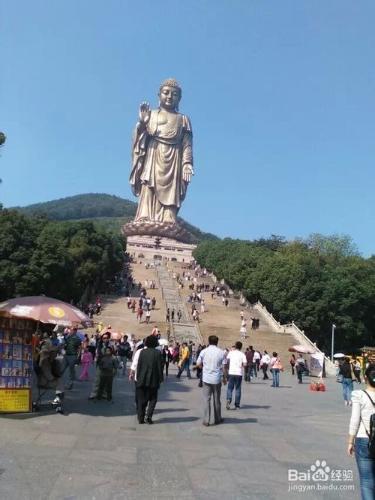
169	98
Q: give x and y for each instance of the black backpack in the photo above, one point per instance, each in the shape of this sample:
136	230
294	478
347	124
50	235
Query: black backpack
371	434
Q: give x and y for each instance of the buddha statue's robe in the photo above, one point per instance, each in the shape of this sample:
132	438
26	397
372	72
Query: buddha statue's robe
160	151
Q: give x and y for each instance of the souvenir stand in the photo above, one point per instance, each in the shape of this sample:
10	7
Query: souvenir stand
16	364
368	356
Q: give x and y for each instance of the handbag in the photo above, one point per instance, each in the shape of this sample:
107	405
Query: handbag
339	378
277	365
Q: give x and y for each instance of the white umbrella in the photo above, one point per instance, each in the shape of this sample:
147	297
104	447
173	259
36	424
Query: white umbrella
339	355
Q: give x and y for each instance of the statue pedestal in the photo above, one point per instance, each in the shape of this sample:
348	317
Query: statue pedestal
159	248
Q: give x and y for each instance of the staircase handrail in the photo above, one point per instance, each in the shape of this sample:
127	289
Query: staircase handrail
298	334
276	324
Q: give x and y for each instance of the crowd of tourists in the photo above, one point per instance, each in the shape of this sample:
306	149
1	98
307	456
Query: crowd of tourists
100	357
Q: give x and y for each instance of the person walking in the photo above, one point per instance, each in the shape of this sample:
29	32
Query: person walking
184	362
300	367
250	368
363	407
86	361
256	363
276	367
264	362
148	379
148	316
234	364
124	353
243	330
139	314
72	353
292	362
357	370
102	345
108	368
210	361
346	372
166	355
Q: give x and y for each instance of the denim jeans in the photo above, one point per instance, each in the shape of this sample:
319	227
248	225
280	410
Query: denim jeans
184	366
71	360
234	381
366	468
253	370
275	377
247	374
347	388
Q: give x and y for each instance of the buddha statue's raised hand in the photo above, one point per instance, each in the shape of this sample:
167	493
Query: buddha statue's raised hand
144	113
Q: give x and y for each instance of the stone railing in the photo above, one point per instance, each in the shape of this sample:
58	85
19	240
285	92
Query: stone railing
297	333
278	327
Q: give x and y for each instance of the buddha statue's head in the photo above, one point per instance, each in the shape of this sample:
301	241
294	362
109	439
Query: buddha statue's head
170	94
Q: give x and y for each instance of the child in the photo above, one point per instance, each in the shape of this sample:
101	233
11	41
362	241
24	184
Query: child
86	360
108	368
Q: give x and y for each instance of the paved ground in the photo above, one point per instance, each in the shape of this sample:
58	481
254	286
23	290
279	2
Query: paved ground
98	451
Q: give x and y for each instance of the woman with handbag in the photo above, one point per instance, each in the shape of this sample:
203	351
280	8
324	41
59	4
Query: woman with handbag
362	434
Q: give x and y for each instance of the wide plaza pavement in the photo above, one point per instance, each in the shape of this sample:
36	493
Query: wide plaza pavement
98	451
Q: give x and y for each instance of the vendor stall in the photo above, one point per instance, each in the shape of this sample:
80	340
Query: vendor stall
20	318
15	364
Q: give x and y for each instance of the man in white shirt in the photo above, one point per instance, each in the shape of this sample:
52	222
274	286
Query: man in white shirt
211	360
235	362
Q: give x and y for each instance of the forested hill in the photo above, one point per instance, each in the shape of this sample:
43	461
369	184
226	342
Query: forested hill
107	210
316	282
82	206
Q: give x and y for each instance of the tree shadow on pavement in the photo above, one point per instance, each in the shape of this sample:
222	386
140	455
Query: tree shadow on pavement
176	420
229	420
255	407
170	410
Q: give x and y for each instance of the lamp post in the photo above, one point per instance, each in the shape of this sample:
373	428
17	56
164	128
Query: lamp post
333	341
2	142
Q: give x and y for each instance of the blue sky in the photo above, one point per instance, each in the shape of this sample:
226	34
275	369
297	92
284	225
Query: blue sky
280	94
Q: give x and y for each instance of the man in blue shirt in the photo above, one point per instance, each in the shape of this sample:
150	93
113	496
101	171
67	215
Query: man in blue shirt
211	360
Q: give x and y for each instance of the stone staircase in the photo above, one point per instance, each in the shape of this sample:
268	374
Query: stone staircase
185	329
225	322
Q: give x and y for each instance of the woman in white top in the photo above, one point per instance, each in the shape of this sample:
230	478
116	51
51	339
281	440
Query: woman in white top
363	406
243	329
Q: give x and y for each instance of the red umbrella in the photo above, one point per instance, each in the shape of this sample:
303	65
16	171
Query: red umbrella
45	310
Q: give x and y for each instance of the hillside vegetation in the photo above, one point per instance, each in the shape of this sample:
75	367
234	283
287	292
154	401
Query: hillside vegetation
67	260
315	282
107	211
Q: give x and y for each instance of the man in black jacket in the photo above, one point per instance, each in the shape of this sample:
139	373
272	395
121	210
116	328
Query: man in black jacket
148	379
